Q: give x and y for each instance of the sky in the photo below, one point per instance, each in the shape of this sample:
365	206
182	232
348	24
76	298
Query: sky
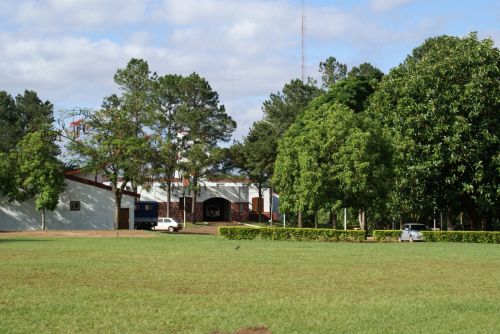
69	50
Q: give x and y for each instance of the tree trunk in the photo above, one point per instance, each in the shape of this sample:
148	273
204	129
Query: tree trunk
299	220
333	219
169	190
118	205
449	225
271	205
259	209
193	208
315	219
44	226
362	219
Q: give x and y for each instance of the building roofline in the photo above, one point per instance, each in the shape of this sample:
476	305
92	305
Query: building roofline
97	184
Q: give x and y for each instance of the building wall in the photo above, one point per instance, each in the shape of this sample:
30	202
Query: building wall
254	192
233	192
96	211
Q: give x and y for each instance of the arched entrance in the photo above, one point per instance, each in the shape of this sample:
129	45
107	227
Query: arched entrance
216	209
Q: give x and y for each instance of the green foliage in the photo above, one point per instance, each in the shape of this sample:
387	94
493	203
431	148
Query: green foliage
116	141
298	234
7	175
29	168
282	108
257	155
332	155
239	232
462	236
39	173
9	131
441	108
200	114
386	235
332	71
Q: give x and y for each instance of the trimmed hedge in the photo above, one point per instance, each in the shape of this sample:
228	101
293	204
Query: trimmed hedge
386	235
462	236
239	232
300	234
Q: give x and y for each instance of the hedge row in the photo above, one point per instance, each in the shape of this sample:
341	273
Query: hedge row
386	235
462	236
309	234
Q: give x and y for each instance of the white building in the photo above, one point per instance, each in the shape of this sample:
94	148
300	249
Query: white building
84	205
217	200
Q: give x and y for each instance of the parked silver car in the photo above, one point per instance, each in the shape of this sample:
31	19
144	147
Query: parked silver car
412	232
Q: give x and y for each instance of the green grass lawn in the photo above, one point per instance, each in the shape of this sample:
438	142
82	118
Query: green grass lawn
199	284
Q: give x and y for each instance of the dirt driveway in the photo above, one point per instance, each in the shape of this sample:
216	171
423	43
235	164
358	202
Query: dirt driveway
200	228
206	228
86	234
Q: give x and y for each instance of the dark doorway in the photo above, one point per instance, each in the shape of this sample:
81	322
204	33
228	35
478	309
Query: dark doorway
216	209
123	219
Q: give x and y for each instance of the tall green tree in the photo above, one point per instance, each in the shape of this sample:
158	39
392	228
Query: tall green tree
39	174
24	114
332	156
203	123
441	106
259	148
282	108
9	131
167	94
257	155
116	141
21	116
33	113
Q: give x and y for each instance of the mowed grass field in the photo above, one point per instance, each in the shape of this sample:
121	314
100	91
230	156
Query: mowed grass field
200	284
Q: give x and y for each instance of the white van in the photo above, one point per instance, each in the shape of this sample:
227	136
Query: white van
167	224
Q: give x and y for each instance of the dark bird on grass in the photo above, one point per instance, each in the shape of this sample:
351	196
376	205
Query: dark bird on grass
237	247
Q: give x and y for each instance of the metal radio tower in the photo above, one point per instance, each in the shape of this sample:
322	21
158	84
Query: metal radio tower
303	43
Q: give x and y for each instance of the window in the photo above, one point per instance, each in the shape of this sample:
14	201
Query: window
74	205
148	207
242	207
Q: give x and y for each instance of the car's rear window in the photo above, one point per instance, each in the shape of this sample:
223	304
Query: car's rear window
418	227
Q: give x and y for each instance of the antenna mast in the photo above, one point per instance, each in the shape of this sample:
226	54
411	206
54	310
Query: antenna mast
303	43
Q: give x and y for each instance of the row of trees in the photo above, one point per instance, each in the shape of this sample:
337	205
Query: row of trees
158	126
420	141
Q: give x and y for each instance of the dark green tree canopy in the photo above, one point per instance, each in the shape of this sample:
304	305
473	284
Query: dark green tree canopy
200	115
282	108
331	155
442	107
24	114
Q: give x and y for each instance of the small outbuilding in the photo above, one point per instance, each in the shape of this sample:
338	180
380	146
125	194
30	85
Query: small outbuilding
85	204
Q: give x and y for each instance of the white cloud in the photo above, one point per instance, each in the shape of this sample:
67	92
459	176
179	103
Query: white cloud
68	50
77	15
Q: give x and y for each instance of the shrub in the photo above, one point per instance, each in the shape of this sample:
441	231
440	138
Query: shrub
239	233
462	236
386	235
299	234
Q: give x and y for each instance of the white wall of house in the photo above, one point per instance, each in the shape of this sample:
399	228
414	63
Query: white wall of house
233	192
96	211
